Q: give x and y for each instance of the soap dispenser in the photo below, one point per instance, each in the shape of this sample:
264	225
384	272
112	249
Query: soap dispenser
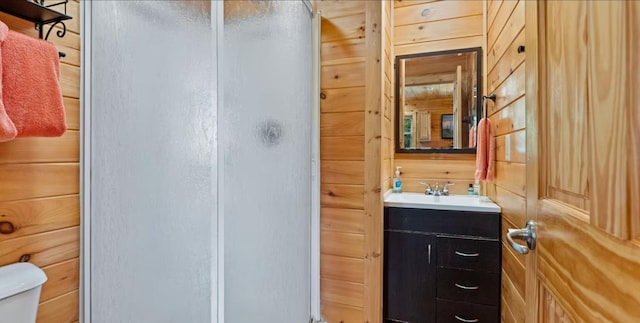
397	183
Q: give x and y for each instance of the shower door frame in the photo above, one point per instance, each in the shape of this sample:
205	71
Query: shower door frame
217	257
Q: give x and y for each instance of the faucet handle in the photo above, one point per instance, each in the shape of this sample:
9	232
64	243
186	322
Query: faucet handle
445	189
427	189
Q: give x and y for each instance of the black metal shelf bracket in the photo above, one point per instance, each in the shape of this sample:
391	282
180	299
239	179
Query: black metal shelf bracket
40	14
40	25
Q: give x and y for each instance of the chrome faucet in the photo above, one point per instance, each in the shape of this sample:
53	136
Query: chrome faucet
436	189
445	189
427	189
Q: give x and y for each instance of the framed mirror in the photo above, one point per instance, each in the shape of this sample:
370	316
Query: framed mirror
437	101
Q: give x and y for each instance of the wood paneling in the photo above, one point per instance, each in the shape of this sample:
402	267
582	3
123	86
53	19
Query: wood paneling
509	119
27	217
343	51
72	109
342	220
341	28
513	206
373	195
42	249
62	278
342	159
510	90
501	19
514	178
26	181
332	9
341	124
511	147
62	309
342	196
342	172
492	11
342	292
511	296
342	100
342	244
343	268
39	185
341	76
439	45
441	10
506	78
342	148
438	30
336	312
43	149
514	270
551	312
453	169
497	43
429	26
508	62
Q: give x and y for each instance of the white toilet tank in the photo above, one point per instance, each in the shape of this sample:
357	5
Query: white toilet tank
20	285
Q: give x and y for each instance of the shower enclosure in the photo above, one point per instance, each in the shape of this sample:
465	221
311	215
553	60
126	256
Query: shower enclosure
199	136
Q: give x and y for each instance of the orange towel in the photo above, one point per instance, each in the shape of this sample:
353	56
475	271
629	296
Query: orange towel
485	153
7	128
31	87
472	137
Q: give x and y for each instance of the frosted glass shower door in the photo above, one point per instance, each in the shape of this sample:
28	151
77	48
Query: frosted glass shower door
265	136
153	182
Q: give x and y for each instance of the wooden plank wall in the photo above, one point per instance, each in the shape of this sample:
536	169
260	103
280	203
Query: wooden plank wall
355	154
506	77
342	155
39	187
429	26
388	169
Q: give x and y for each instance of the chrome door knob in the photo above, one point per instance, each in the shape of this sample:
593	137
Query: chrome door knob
528	234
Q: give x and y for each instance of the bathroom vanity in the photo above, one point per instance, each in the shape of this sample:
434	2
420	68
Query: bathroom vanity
442	258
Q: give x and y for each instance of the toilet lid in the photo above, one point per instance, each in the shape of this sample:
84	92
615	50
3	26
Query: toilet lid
20	277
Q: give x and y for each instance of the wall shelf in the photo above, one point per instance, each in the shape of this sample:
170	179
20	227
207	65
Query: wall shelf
38	13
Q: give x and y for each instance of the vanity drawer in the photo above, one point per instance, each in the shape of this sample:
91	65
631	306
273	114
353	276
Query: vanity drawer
464	253
458	312
468	286
480	224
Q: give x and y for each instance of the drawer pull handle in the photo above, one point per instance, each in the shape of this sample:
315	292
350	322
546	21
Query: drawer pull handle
462	254
465	320
466	287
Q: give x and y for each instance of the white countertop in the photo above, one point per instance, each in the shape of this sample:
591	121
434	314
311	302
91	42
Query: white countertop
451	202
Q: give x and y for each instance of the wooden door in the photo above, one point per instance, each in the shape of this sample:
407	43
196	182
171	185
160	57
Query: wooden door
583	162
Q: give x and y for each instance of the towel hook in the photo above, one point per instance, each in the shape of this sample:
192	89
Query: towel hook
491	97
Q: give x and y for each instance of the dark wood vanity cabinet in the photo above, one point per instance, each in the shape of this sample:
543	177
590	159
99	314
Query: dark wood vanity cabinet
441	266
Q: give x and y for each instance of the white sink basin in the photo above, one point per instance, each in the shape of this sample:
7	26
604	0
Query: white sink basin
451	202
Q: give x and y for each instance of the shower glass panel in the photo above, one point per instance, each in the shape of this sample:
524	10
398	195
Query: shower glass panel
153	161
265	136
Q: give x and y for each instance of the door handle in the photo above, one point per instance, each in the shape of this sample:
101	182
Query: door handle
527	234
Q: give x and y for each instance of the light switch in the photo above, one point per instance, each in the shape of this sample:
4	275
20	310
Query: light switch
507	148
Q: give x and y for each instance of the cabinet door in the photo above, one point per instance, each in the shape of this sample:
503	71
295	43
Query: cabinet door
409	280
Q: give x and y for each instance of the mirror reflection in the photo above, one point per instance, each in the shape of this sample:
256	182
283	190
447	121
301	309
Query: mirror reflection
437	103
